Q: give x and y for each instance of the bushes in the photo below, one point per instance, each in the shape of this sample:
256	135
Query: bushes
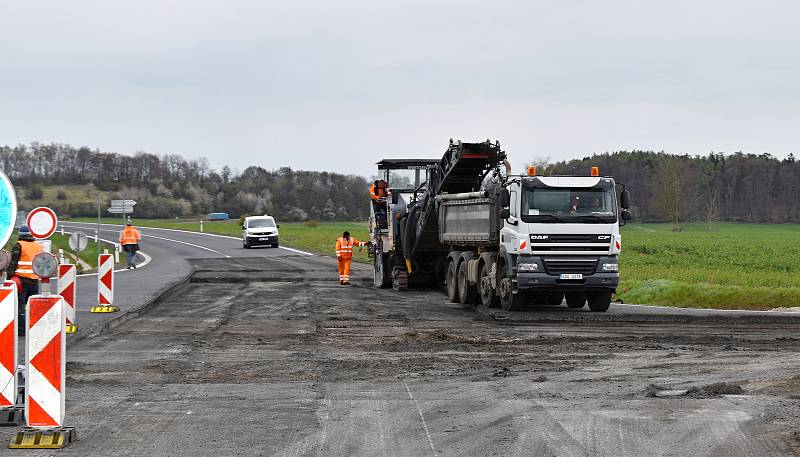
311	223
34	193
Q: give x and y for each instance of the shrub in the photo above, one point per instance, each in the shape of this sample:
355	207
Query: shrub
61	195
34	193
311	223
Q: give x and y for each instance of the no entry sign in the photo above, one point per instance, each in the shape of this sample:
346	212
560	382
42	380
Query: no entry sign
42	222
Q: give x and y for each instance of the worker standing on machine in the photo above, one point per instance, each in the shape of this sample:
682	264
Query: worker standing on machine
379	192
20	270
344	254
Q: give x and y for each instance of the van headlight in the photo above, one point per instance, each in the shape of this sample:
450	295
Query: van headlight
528	267
610	267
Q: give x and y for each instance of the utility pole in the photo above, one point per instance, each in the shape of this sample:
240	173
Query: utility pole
97	229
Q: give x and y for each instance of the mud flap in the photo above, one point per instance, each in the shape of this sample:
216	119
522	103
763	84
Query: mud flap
34	438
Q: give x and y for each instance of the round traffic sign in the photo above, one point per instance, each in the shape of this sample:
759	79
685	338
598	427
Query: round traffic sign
42	222
5	259
8	209
45	265
78	241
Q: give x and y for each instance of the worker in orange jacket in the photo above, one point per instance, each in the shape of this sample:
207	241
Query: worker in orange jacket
344	253
20	270
129	239
379	193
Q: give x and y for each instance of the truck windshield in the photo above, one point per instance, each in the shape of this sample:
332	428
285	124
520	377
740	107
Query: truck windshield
407	179
261	223
590	205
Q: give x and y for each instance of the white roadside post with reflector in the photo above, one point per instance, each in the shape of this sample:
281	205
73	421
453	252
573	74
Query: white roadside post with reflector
11	413
105	285
45	349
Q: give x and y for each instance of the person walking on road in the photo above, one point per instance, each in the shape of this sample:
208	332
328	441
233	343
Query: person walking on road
129	239
20	270
344	253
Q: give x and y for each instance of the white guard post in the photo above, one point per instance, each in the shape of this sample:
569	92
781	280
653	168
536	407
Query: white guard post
105	285
66	288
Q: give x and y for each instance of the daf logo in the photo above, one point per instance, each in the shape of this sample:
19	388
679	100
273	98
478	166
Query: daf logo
603	237
540	237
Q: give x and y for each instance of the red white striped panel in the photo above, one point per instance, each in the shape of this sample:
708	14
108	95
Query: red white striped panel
66	288
105	279
46	349
8	344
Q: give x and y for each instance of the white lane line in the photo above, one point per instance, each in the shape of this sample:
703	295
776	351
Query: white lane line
147	258
166	239
421	416
196	233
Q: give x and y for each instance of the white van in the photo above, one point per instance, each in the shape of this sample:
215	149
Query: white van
259	231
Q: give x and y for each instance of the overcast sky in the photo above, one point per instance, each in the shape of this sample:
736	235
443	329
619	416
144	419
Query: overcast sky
337	85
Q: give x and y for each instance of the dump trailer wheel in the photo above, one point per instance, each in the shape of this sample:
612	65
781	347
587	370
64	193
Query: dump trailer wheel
451	279
599	301
467	293
576	301
489	298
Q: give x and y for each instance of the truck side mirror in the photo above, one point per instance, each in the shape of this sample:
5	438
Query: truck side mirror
625	199
505	213
505	198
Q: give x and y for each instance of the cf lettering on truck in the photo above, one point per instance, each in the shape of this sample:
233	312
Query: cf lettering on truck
497	239
260	231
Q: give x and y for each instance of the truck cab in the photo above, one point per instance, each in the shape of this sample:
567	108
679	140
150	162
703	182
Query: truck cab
260	231
561	239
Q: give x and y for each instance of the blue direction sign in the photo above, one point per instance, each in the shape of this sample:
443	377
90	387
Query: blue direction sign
8	209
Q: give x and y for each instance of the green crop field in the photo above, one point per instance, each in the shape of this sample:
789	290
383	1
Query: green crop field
735	266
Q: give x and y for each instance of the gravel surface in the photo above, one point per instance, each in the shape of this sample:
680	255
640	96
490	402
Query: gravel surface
270	356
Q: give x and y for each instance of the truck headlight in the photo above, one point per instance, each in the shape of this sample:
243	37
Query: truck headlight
528	267
610	267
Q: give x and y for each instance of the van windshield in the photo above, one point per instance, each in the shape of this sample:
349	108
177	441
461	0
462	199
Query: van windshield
260	223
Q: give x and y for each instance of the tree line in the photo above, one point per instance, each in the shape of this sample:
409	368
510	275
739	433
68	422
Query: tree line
166	186
717	187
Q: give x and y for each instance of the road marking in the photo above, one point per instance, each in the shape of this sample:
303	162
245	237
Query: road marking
421	416
188	244
197	233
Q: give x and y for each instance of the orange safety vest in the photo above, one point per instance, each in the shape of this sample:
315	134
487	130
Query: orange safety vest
377	192
130	235
28	250
344	248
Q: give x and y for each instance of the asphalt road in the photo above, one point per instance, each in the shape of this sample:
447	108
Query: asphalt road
169	251
270	356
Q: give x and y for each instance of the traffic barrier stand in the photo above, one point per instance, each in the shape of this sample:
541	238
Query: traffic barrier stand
66	288
45	345
105	285
11	413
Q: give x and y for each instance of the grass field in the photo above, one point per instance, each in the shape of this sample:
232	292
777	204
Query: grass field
735	266
739	266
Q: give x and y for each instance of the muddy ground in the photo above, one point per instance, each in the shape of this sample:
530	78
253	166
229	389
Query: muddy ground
291	363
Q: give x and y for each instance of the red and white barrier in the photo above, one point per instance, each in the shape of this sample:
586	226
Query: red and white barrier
8	344
66	288
105	280
45	344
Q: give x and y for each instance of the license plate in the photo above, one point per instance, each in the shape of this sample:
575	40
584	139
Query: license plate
263	239
570	276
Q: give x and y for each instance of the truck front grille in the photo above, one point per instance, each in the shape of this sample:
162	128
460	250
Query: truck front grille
558	266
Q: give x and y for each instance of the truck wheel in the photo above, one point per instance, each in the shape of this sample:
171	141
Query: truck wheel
452	282
509	301
576	300
555	299
467	293
599	301
489	298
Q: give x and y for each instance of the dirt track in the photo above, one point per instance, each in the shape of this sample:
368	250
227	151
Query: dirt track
288	365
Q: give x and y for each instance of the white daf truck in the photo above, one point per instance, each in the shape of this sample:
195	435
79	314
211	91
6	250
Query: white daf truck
496	239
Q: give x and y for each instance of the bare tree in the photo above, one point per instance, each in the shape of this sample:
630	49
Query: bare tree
668	187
